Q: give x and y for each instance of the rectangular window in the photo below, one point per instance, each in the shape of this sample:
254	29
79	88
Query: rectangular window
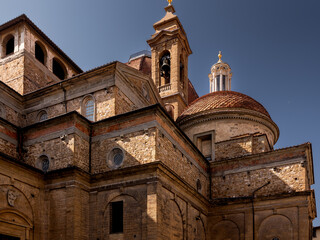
116	217
206	144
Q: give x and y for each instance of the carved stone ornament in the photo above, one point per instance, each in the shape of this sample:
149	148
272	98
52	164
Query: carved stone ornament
11	197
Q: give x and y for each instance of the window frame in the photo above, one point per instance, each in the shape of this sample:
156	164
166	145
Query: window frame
5	41
198	138
84	102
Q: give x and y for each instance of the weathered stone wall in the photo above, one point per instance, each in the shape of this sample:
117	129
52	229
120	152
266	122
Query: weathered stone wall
122	103
25	205
134	212
36	75
81	153
12	72
187	169
226	129
138	147
179	218
69	212
8	140
11	115
285	218
283	179
60	153
104	106
241	146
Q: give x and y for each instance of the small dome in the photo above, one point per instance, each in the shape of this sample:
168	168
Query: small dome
223	100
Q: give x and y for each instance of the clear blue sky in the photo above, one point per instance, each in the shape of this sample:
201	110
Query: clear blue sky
272	46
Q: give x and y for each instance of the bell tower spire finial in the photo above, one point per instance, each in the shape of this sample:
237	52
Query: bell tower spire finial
219	56
169	1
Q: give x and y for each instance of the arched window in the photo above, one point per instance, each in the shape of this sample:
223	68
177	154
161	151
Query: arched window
58	69
42	116
43	163
165	66
8	45
40	53
88	108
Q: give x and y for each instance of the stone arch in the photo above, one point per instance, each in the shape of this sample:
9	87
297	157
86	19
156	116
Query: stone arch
225	230
43	163
8	45
16	224
88	107
200	233
172	220
132	218
42	115
170	110
275	226
16	213
40	52
21	201
59	69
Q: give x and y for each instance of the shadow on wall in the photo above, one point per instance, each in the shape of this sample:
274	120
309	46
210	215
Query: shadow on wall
272	223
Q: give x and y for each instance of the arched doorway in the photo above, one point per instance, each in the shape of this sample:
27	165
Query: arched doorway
14	226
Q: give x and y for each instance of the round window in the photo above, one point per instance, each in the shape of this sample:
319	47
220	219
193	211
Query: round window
115	158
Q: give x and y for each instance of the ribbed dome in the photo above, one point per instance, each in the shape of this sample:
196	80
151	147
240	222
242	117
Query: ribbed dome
223	100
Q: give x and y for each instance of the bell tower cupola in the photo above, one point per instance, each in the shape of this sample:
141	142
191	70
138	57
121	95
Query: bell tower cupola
169	56
220	76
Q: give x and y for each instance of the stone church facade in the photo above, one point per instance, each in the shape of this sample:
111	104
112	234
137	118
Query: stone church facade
130	151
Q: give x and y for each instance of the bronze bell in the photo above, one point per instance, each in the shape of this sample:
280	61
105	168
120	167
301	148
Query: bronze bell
165	65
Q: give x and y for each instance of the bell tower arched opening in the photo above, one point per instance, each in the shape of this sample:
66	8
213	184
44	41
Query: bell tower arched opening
165	68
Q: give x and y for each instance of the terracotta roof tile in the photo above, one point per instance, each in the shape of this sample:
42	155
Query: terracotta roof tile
223	100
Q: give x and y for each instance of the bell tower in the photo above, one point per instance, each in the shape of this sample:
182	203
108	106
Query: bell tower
169	55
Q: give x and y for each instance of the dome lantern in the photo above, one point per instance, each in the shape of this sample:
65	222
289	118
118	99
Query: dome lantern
220	76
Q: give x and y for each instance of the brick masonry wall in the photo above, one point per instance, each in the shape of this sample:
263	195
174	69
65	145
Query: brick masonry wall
36	75
123	103
11	115
8	140
8	148
179	218
283	179
138	147
104	106
12	72
28	190
135	217
60	153
228	128
171	156
233	148
241	147
81	153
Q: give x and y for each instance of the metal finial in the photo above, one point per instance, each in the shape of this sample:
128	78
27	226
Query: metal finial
219	56
169	1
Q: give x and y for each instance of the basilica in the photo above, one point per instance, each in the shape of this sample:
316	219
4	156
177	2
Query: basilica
130	151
